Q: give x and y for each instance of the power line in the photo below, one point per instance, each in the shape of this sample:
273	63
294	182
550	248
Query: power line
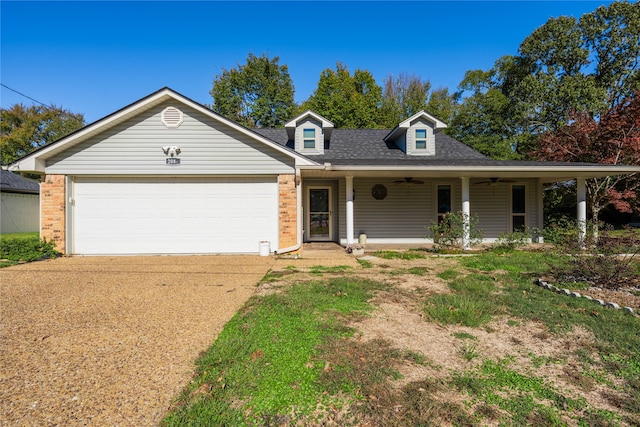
27	96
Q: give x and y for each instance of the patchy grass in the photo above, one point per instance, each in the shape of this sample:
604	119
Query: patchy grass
406	255
297	358
265	367
319	270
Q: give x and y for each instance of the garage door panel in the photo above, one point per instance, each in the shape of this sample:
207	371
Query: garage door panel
173	215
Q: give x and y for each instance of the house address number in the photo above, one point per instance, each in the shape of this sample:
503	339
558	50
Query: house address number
173	161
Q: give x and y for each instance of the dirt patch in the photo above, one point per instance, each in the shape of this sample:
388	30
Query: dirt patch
111	340
528	346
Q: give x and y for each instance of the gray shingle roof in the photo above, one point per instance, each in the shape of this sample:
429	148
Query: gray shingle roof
14	183
367	147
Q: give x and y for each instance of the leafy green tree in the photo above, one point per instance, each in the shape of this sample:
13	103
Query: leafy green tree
442	104
486	119
588	64
25	129
405	95
256	94
349	101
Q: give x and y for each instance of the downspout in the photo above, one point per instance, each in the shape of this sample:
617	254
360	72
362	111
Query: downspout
299	219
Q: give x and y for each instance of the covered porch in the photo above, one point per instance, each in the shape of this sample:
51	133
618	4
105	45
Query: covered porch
398	206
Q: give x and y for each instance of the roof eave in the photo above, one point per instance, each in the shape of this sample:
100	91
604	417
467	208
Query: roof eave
545	172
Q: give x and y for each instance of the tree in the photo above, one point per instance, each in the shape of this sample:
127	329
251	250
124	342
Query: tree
403	97
568	64
406	95
614	139
25	129
442	104
349	101
486	119
256	94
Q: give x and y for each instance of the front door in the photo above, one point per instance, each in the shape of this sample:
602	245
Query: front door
319	214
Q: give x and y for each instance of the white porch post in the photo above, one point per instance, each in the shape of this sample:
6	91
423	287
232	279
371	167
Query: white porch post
349	180
466	214
582	210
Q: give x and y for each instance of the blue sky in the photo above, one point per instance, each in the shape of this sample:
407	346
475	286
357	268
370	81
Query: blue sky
97	57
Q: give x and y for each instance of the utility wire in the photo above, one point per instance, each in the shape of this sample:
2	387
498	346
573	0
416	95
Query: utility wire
26	96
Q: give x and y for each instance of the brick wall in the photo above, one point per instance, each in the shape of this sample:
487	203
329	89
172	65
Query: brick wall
53	210
288	224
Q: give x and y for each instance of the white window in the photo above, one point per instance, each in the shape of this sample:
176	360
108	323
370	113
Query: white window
309	138
421	139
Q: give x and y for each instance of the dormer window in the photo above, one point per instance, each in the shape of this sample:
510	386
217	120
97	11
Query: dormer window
421	139
415	136
309	133
309	139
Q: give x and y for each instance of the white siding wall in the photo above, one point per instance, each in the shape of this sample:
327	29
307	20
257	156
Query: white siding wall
407	212
135	147
19	213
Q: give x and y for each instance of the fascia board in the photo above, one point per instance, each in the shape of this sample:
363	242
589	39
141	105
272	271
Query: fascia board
293	123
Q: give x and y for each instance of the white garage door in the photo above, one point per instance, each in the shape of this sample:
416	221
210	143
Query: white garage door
173	215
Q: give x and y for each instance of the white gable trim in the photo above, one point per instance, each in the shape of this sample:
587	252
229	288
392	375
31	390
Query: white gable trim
325	123
36	160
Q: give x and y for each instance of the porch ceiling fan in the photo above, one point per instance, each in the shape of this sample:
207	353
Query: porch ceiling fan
408	182
492	182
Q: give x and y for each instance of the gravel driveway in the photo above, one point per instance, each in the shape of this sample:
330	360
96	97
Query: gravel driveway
107	341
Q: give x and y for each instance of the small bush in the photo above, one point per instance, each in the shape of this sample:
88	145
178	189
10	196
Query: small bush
449	233
606	260
26	249
511	241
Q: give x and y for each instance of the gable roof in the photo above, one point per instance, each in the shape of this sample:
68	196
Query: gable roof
13	183
35	161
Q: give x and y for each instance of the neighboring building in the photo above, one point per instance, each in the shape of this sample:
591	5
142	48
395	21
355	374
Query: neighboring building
19	203
166	175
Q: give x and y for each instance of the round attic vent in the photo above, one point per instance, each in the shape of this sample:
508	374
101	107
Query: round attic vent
172	117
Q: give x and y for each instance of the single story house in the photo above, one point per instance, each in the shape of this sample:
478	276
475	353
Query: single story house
19	203
166	175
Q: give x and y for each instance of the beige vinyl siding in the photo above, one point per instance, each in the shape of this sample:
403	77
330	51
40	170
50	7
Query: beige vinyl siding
135	147
490	205
407	212
493	206
402	216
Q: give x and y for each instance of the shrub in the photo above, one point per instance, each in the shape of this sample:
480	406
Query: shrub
449	232
606	260
511	241
26	249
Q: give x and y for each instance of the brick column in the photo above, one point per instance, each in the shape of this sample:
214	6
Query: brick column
53	210
288	221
